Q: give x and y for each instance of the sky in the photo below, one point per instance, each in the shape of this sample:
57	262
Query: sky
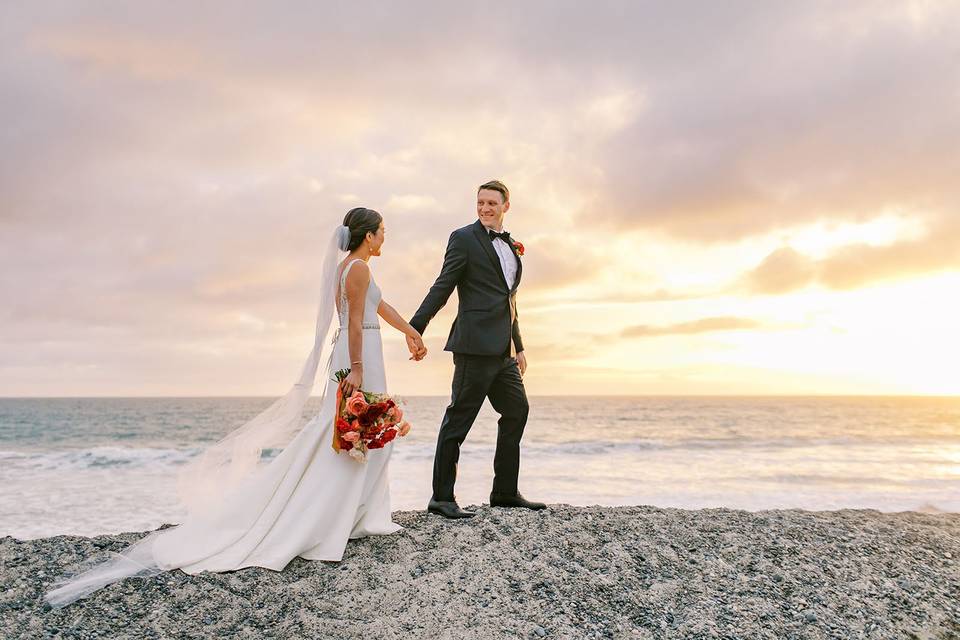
715	198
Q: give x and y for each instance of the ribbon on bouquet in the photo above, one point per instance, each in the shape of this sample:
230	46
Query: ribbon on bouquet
337	412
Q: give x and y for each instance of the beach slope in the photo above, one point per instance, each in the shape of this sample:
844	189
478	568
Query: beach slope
567	572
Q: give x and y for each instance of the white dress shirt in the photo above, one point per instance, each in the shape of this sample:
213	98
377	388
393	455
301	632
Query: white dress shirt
507	260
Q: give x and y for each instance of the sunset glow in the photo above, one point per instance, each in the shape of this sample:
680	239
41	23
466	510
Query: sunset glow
769	206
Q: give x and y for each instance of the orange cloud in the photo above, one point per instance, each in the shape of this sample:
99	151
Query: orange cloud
170	178
856	265
703	325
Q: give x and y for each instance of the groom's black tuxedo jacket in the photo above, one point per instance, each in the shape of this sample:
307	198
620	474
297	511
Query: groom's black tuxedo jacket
487	311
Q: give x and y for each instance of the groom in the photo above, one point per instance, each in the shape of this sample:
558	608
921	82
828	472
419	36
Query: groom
483	264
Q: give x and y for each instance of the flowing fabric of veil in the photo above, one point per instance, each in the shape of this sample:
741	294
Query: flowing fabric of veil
222	466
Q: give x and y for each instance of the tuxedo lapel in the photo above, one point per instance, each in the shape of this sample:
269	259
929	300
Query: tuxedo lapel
481	232
516	280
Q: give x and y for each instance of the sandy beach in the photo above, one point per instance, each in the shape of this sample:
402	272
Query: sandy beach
568	572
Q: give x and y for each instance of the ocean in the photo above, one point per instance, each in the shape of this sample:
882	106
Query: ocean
89	466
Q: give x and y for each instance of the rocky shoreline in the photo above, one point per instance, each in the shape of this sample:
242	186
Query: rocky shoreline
568	572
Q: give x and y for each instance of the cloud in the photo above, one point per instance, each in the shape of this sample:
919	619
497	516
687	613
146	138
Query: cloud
783	270
411	202
170	178
856	265
703	325
801	117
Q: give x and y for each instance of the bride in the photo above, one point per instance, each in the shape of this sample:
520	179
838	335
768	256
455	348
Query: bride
308	501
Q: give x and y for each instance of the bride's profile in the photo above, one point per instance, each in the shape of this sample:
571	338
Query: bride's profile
308	500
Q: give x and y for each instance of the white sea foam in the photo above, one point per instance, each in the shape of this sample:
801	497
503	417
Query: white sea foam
61	475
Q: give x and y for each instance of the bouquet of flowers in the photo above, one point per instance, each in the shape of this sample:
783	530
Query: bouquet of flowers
365	421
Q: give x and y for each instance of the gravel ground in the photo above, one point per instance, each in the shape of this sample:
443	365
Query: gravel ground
568	572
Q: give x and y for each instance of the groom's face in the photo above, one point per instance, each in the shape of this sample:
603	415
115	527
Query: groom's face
491	208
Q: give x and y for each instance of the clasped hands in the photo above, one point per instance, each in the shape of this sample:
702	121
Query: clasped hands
415	344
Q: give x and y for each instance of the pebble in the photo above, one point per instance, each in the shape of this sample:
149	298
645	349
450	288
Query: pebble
603	572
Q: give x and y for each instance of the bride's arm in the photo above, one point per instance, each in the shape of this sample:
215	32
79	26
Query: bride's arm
358	279
395	320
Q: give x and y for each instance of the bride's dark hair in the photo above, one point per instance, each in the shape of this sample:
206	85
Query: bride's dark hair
361	220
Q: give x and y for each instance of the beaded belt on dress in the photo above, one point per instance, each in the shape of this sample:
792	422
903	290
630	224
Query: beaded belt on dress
364	326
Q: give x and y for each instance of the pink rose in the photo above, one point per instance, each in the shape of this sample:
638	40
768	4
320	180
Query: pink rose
403	429
351	436
396	413
356	404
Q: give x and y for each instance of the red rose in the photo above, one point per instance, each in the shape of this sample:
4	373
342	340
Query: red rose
376	443
518	246
388	435
376	410
346	445
342	425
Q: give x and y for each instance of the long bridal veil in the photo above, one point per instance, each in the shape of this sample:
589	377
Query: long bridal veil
204	480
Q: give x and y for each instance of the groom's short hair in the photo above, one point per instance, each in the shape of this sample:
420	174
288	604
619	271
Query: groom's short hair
496	185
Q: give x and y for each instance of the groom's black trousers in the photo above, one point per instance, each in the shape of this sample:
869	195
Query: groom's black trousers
475	378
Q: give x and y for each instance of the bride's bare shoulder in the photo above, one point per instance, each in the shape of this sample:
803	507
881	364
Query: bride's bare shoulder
359	272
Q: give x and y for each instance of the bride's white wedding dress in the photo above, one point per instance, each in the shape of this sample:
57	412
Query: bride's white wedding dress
307	502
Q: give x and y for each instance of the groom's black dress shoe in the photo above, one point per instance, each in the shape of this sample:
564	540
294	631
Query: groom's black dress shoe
516	500
448	509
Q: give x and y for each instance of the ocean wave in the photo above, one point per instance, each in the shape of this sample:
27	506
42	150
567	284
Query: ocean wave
650	446
817	479
156	457
96	458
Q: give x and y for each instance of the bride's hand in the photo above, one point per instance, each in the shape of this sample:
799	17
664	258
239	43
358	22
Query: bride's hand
353	381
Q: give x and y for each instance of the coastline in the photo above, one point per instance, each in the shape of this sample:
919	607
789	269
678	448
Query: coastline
568	572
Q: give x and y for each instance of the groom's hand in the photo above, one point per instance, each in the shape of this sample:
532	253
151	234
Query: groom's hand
522	362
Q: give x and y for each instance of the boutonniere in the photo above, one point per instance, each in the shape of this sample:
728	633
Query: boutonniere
518	247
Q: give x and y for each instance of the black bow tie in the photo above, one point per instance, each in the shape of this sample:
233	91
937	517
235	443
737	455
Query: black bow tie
505	236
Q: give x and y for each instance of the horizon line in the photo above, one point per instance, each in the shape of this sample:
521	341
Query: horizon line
566	395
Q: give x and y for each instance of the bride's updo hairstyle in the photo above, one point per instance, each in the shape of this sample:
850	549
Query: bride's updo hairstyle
360	221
